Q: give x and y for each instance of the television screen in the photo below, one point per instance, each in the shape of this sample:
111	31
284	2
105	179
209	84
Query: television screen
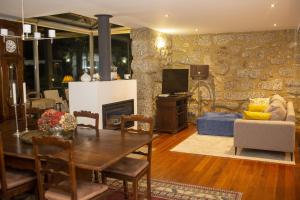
175	80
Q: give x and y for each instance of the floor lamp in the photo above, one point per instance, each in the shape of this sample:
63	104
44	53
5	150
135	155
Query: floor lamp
201	73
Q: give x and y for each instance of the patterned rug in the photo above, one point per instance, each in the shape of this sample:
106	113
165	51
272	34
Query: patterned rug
165	190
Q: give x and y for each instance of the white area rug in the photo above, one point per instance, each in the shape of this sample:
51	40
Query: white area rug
223	147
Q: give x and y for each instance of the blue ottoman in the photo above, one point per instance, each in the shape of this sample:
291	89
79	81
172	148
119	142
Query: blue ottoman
212	123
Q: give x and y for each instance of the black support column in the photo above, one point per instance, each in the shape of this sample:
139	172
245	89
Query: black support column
104	46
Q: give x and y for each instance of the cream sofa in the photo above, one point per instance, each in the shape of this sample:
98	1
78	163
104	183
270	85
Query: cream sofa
265	134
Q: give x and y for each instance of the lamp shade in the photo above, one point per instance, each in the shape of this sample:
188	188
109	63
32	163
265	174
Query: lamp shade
4	32
37	35
27	28
67	79
51	33
200	72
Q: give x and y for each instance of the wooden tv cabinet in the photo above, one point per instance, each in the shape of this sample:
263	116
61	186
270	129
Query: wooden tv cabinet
171	113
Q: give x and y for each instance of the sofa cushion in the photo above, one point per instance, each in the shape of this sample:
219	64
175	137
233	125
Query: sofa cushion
257	107
277	97
128	166
256	115
277	110
85	191
15	178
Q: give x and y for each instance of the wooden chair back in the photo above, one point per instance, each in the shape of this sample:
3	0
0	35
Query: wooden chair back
51	169
67	94
2	168
52	94
34	95
144	125
88	114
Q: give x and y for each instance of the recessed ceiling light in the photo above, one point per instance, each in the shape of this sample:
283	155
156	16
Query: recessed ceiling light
166	15
272	5
274	25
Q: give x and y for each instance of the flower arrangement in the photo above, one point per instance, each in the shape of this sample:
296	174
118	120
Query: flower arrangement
52	118
68	122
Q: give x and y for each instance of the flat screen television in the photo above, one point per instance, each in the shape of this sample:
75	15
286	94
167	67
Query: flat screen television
175	81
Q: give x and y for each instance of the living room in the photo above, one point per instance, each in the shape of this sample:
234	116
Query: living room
218	81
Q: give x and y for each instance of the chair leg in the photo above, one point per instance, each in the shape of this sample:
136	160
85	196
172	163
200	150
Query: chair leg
104	179
125	185
149	184
96	175
235	150
135	189
4	197
36	193
93	176
292	156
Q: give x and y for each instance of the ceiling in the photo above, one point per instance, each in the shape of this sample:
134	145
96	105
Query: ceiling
172	16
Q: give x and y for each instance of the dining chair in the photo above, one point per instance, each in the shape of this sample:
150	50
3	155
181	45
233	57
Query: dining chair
13	182
34	95
67	94
90	115
60	102
133	169
95	117
56	172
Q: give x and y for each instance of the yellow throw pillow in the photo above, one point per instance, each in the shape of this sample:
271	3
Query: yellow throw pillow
257	107
256	115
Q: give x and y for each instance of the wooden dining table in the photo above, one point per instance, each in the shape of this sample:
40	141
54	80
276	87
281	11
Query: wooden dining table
92	150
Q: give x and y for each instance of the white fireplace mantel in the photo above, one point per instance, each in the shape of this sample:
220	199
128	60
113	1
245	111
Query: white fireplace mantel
90	96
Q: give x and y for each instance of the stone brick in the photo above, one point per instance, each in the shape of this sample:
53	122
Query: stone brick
275	85
286	72
239	96
292	83
240	85
204	40
222	39
228	105
220	69
294	91
277	61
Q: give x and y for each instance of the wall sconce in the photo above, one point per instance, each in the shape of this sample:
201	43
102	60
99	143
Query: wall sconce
160	42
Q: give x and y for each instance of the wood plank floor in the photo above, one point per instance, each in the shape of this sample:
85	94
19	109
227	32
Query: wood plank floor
255	179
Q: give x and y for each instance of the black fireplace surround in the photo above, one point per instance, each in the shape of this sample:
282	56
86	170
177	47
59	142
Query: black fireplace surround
111	114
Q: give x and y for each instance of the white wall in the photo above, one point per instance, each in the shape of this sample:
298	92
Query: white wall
90	96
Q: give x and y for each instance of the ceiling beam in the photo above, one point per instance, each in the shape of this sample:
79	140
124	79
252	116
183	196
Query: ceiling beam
70	28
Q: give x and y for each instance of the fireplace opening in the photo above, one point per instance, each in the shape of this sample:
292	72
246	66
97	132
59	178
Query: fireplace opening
111	114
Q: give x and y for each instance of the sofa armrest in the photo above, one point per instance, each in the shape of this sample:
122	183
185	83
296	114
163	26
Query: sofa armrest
290	116
266	135
245	122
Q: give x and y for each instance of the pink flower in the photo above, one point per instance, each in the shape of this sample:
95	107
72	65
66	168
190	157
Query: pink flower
49	119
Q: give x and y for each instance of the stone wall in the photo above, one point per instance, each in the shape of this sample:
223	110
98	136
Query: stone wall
147	65
242	65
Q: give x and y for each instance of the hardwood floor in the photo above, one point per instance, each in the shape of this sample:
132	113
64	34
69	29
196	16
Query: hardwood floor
255	179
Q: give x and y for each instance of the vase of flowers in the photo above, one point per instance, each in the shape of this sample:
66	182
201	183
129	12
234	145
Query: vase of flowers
57	123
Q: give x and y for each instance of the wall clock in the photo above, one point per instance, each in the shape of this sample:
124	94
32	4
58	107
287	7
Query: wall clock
10	46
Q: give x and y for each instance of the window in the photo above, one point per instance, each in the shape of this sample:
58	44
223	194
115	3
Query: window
68	54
